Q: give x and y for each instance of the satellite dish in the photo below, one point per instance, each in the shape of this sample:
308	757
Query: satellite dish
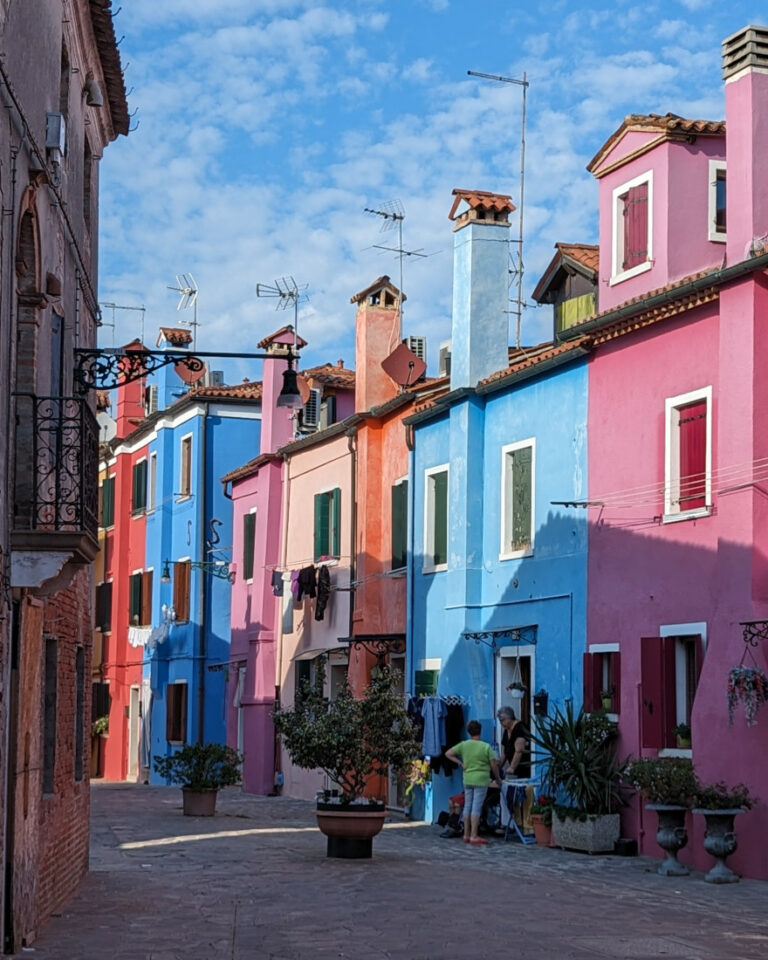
107	426
403	366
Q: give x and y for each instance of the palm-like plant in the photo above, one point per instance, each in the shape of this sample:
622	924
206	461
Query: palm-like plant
582	760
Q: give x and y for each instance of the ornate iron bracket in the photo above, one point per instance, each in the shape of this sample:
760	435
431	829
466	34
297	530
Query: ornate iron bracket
109	367
754	630
379	644
525	635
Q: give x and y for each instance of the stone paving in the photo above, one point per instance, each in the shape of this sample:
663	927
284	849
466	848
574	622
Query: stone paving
253	883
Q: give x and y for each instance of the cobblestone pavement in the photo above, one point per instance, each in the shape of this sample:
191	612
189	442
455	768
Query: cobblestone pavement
253	883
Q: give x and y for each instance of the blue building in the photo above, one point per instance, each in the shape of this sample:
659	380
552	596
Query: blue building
497	570
198	433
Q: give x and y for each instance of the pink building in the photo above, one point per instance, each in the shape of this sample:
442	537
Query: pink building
678	436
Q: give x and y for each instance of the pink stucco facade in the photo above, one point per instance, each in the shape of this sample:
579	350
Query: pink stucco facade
655	570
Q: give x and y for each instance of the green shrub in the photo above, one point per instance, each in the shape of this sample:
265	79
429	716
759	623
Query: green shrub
201	766
719	796
668	780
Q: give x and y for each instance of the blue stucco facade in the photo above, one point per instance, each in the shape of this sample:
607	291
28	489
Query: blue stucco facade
195	527
529	604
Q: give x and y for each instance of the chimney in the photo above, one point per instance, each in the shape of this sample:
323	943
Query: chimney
378	331
130	400
745	72
480	328
276	422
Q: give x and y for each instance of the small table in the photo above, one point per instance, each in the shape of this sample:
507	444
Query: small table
517	789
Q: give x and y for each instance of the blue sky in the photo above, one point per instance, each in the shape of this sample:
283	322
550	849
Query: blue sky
263	128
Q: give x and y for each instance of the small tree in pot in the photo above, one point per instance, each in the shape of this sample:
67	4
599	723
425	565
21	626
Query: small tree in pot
350	740
200	769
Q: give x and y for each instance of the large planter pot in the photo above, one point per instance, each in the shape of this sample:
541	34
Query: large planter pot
350	828
541	830
198	803
720	842
595	834
671	837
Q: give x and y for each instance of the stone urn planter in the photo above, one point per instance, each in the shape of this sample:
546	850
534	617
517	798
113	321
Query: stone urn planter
594	834
198	803
720	842
671	837
541	830
350	828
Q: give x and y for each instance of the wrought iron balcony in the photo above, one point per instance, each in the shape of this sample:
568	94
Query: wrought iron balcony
55	503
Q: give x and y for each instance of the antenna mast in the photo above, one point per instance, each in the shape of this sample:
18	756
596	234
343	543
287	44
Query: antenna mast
187	290
393	214
517	272
119	306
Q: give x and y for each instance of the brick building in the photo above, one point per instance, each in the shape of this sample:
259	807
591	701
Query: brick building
63	99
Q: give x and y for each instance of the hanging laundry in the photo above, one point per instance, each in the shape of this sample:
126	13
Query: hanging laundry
277	583
433	709
295	584
307	582
323	592
414	712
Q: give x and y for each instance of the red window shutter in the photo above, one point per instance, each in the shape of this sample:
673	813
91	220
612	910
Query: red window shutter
693	455
592	680
652	692
635	226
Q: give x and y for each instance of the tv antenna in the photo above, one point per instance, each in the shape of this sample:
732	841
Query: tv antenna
517	271
286	291
187	290
393	214
119	306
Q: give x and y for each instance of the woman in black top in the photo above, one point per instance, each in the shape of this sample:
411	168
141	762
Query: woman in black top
515	747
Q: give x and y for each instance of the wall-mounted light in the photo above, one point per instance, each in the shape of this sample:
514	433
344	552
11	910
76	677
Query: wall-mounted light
93	95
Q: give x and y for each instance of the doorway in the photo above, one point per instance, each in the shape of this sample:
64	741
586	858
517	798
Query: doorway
134	720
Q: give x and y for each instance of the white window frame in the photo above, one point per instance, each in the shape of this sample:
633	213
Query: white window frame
505	553
715	167
672	405
185	494
618	274
429	565
682	630
152	483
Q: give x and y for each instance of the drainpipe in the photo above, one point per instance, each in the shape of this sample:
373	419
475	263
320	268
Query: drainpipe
411	564
352	447
202	640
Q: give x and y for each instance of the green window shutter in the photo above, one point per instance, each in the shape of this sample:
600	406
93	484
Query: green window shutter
249	537
335	523
321	524
522	471
108	502
440	546
139	499
134	610
399	524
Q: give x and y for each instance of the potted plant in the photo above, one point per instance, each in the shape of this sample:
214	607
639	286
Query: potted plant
201	769
669	786
541	818
606	697
350	739
683	734
720	804
583	774
750	685
100	727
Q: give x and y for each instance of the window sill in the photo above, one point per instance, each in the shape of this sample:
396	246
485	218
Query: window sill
397	573
326	561
182	497
718	237
632	272
138	512
437	568
686	515
675	752
516	554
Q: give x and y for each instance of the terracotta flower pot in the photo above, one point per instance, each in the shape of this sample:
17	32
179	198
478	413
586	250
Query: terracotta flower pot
541	830
198	803
350	828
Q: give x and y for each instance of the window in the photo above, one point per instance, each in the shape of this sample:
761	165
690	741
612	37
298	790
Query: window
104	607
688	455
176	712
717	201
108	502
185	477
100	700
602	676
140	599
152	486
517	478
249	538
327	523
399	524
139	495
79	710
436	518
669	672
181	575
632	228
302	677
49	714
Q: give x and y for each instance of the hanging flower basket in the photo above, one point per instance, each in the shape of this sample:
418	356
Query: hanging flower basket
750	685
516	690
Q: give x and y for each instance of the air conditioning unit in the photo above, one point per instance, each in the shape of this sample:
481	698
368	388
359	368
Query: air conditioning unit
310	415
55	136
215	378
150	399
417	345
444	359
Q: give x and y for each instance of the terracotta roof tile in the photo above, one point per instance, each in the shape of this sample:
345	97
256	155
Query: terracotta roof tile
669	125
481	200
251	467
288	328
524	358
106	44
585	255
377	285
240	391
176	336
330	375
